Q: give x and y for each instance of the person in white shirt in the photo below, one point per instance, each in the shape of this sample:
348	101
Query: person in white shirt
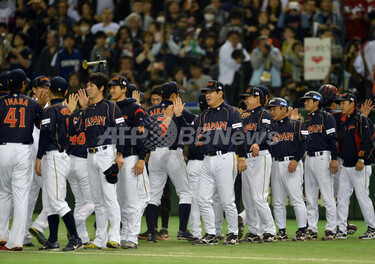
110	28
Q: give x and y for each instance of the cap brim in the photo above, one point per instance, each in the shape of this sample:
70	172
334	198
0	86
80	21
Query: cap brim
304	98
243	96
205	89
341	99
113	83
28	80
181	91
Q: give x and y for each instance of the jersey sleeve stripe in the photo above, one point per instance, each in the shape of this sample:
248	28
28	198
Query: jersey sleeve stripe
138	111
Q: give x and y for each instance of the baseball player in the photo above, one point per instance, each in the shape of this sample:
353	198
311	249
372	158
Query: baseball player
356	147
18	115
256	178
320	165
133	175
330	93
288	146
40	93
194	168
96	119
78	178
56	165
216	127
4	78
167	160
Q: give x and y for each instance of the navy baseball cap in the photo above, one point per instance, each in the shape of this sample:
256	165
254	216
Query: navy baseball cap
120	81
18	76
169	88
41	81
253	91
347	97
312	95
4	78
58	84
277	101
132	87
213	86
264	89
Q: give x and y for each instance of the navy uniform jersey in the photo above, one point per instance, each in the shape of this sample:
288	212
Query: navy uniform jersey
18	115
289	139
356	139
215	129
194	150
54	130
257	125
77	143
158	110
95	119
321	127
134	116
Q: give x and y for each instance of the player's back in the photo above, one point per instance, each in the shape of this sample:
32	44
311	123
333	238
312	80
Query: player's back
18	114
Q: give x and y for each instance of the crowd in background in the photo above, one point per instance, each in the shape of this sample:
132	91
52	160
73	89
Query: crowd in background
236	42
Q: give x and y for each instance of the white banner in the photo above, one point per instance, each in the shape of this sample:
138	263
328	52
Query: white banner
317	58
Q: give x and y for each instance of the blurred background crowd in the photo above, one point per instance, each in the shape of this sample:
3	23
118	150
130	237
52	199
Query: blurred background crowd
238	42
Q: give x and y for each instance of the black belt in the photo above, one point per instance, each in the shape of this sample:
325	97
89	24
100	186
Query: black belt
96	149
315	154
217	153
283	158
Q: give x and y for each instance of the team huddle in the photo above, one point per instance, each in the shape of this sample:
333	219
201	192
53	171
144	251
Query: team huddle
118	157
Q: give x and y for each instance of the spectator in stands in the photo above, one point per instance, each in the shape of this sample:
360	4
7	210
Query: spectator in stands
286	49
179	77
24	24
233	25
296	60
356	19
209	25
267	63
273	11
196	82
123	46
221	15
307	18
336	50
49	21
126	68
137	7
145	54
178	34
135	27
173	9
5	45
75	83
85	40
291	17
21	56
110	28
190	49
194	13
227	65
266	31
87	12
101	51
240	83
263	20
328	19
47	54
210	50
67	59
63	14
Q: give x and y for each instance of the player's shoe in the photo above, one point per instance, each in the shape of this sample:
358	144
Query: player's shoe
329	235
31	244
251	238
143	236
128	245
73	244
300	236
281	236
231	239
351	229
369	234
4	248
186	235
91	246
151	238
87	243
268	238
340	235
241	227
220	237
38	235
206	240
2	243
163	234
48	246
311	235
113	244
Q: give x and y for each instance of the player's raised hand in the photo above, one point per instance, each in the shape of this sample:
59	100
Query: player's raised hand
72	102
334	166
38	167
293	113
254	149
83	99
292	166
366	107
178	107
137	96
44	98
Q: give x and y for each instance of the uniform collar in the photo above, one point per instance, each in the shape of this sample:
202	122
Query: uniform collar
284	120
256	109
315	112
166	103
101	101
219	107
126	102
56	101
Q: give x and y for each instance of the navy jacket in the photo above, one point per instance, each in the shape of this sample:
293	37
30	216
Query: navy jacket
18	115
356	139
289	139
